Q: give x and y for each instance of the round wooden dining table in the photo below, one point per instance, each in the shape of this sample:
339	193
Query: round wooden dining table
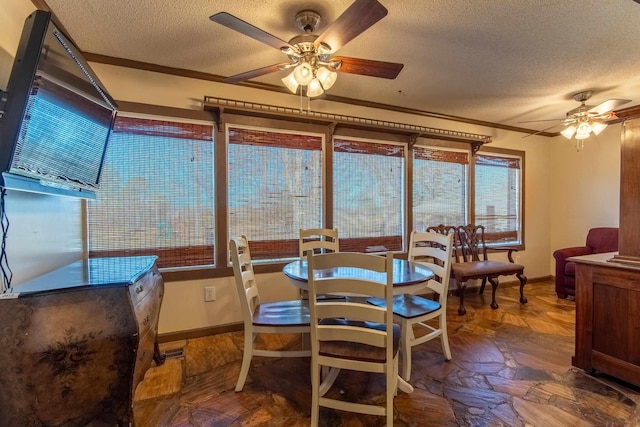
408	277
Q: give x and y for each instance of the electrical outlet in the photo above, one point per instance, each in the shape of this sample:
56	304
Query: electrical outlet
210	293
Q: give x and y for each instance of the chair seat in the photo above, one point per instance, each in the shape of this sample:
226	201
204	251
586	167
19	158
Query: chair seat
357	351
479	269
408	306
282	313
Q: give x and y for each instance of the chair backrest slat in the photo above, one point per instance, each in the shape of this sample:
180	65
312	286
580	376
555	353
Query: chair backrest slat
434	249
319	240
246	285
355	309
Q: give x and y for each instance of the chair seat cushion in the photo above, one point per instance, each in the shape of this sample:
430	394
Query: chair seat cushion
408	306
356	351
282	313
479	269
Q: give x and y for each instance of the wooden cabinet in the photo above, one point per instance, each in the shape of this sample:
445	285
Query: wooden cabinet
75	343
608	317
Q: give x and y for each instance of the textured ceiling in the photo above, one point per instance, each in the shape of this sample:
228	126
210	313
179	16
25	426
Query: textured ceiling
500	61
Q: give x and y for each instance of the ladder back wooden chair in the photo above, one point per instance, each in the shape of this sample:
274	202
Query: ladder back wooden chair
433	250
351	333
281	317
319	240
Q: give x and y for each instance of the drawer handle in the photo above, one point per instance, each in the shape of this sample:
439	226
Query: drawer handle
139	289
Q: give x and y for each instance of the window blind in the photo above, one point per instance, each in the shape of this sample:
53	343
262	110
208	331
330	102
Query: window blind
497	201
156	195
274	188
440	187
368	192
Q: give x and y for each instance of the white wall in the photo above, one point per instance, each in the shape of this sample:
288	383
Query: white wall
45	232
564	190
586	191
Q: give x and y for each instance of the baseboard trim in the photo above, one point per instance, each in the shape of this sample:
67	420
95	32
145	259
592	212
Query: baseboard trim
235	327
199	333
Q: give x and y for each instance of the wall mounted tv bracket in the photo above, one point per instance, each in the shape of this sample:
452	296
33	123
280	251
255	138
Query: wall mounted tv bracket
3	102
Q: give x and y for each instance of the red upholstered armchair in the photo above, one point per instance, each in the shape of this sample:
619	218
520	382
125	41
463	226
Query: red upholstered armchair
599	240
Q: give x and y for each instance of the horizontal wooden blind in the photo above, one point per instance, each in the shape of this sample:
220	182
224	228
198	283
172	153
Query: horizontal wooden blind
368	191
156	195
497	201
274	188
440	187
440	155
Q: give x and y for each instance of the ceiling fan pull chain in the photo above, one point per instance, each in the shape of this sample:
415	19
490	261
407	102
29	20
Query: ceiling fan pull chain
301	99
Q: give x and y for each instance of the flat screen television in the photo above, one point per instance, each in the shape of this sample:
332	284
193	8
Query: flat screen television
58	116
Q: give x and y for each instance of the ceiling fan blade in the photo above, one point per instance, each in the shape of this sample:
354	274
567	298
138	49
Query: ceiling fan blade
608	105
368	67
247	29
248	75
361	15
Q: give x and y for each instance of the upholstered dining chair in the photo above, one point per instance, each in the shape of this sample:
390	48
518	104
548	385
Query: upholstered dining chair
319	240
281	317
433	250
351	333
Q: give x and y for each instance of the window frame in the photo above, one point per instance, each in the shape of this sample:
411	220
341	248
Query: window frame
220	120
505	152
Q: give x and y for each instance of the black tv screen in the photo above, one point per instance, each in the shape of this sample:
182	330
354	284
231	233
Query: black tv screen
58	116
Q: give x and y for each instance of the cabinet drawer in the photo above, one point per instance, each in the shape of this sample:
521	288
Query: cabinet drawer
141	288
148	309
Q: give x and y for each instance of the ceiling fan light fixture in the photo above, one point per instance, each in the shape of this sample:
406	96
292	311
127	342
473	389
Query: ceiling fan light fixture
598	127
314	88
583	131
568	131
290	82
323	49
326	77
303	73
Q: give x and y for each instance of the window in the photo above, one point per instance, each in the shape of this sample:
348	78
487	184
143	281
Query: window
156	193
157	190
440	187
498	183
274	188
368	194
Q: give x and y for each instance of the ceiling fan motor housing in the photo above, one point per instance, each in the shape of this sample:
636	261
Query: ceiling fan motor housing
308	20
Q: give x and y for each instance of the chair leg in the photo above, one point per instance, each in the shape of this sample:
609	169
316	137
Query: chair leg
392	378
405	348
484	283
523	280
315	393
246	360
444	337
494	285
461	288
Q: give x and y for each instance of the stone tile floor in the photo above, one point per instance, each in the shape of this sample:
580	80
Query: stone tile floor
510	367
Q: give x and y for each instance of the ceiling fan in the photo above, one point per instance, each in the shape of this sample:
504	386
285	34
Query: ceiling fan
310	55
585	119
